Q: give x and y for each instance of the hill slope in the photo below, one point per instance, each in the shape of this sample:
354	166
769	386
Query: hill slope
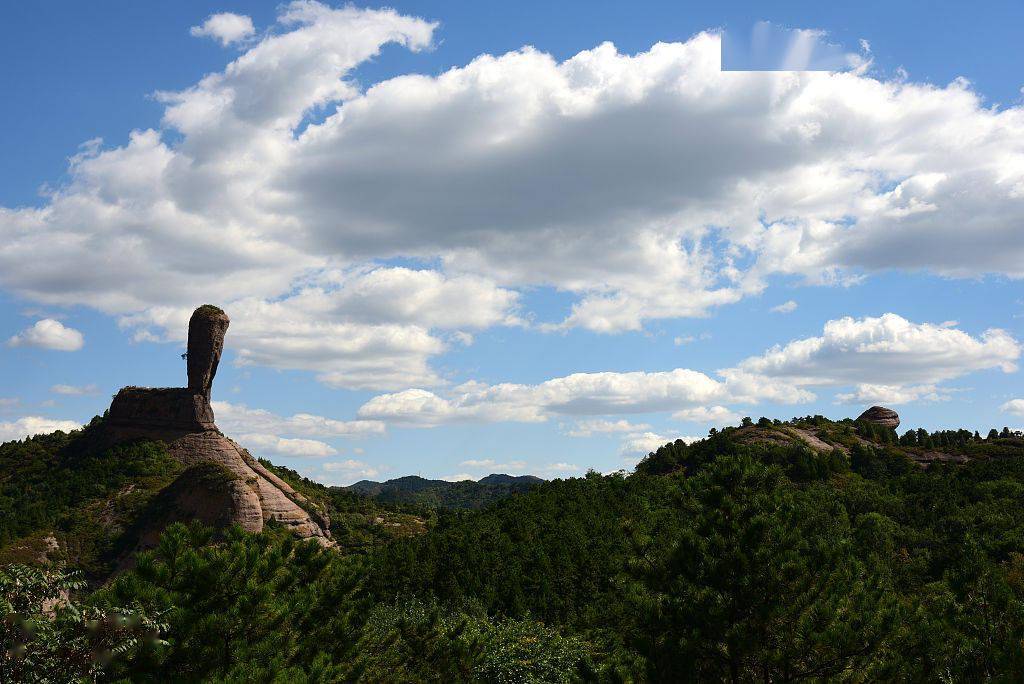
808	550
72	498
443	493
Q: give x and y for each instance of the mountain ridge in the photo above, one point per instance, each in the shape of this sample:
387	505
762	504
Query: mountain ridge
437	493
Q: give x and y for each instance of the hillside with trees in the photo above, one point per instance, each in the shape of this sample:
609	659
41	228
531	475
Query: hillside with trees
413	489
804	550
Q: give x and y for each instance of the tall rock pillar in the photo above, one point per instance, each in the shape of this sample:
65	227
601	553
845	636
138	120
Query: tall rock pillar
206	331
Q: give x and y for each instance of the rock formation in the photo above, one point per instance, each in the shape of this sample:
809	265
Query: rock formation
879	415
247	493
206	330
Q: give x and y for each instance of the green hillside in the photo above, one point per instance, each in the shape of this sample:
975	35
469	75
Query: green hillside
808	550
69	498
444	494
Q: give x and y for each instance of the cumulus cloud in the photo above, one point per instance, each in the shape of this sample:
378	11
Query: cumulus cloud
346	472
785	307
225	27
34	425
368	328
492	466
710	415
586	428
885	351
642	443
887	359
460	477
560	467
489	465
240	418
579	394
1014	406
49	334
264	432
647	186
893	394
73	390
262	443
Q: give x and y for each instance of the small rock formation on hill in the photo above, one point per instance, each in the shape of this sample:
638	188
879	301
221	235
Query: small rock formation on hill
879	415
223	483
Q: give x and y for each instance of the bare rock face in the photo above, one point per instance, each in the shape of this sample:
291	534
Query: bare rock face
879	415
207	492
248	494
148	410
206	330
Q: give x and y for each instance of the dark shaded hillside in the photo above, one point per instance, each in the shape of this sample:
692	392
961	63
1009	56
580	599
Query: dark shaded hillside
64	496
413	489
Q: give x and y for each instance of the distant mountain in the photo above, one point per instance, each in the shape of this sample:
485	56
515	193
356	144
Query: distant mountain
442	493
515	480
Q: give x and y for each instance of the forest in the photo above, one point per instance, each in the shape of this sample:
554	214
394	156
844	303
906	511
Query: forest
744	556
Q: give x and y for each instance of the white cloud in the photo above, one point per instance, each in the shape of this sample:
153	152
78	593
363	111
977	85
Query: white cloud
642	443
601	176
264	432
1014	406
885	351
460	477
349	464
785	307
893	394
73	390
586	428
493	466
226	27
240	418
712	415
636	446
9	402
561	467
364	328
580	394
48	334
34	425
262	443
489	465
346	472
886	357
689	339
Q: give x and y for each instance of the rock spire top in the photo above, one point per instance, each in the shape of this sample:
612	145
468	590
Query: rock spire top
206	331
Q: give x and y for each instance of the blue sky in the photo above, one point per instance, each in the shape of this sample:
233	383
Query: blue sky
544	261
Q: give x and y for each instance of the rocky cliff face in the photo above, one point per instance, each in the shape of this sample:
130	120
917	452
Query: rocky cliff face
248	494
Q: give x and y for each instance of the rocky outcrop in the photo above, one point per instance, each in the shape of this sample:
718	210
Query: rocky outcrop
245	493
207	492
206	330
159	412
879	415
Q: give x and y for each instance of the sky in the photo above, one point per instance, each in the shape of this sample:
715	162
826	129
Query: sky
463	238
